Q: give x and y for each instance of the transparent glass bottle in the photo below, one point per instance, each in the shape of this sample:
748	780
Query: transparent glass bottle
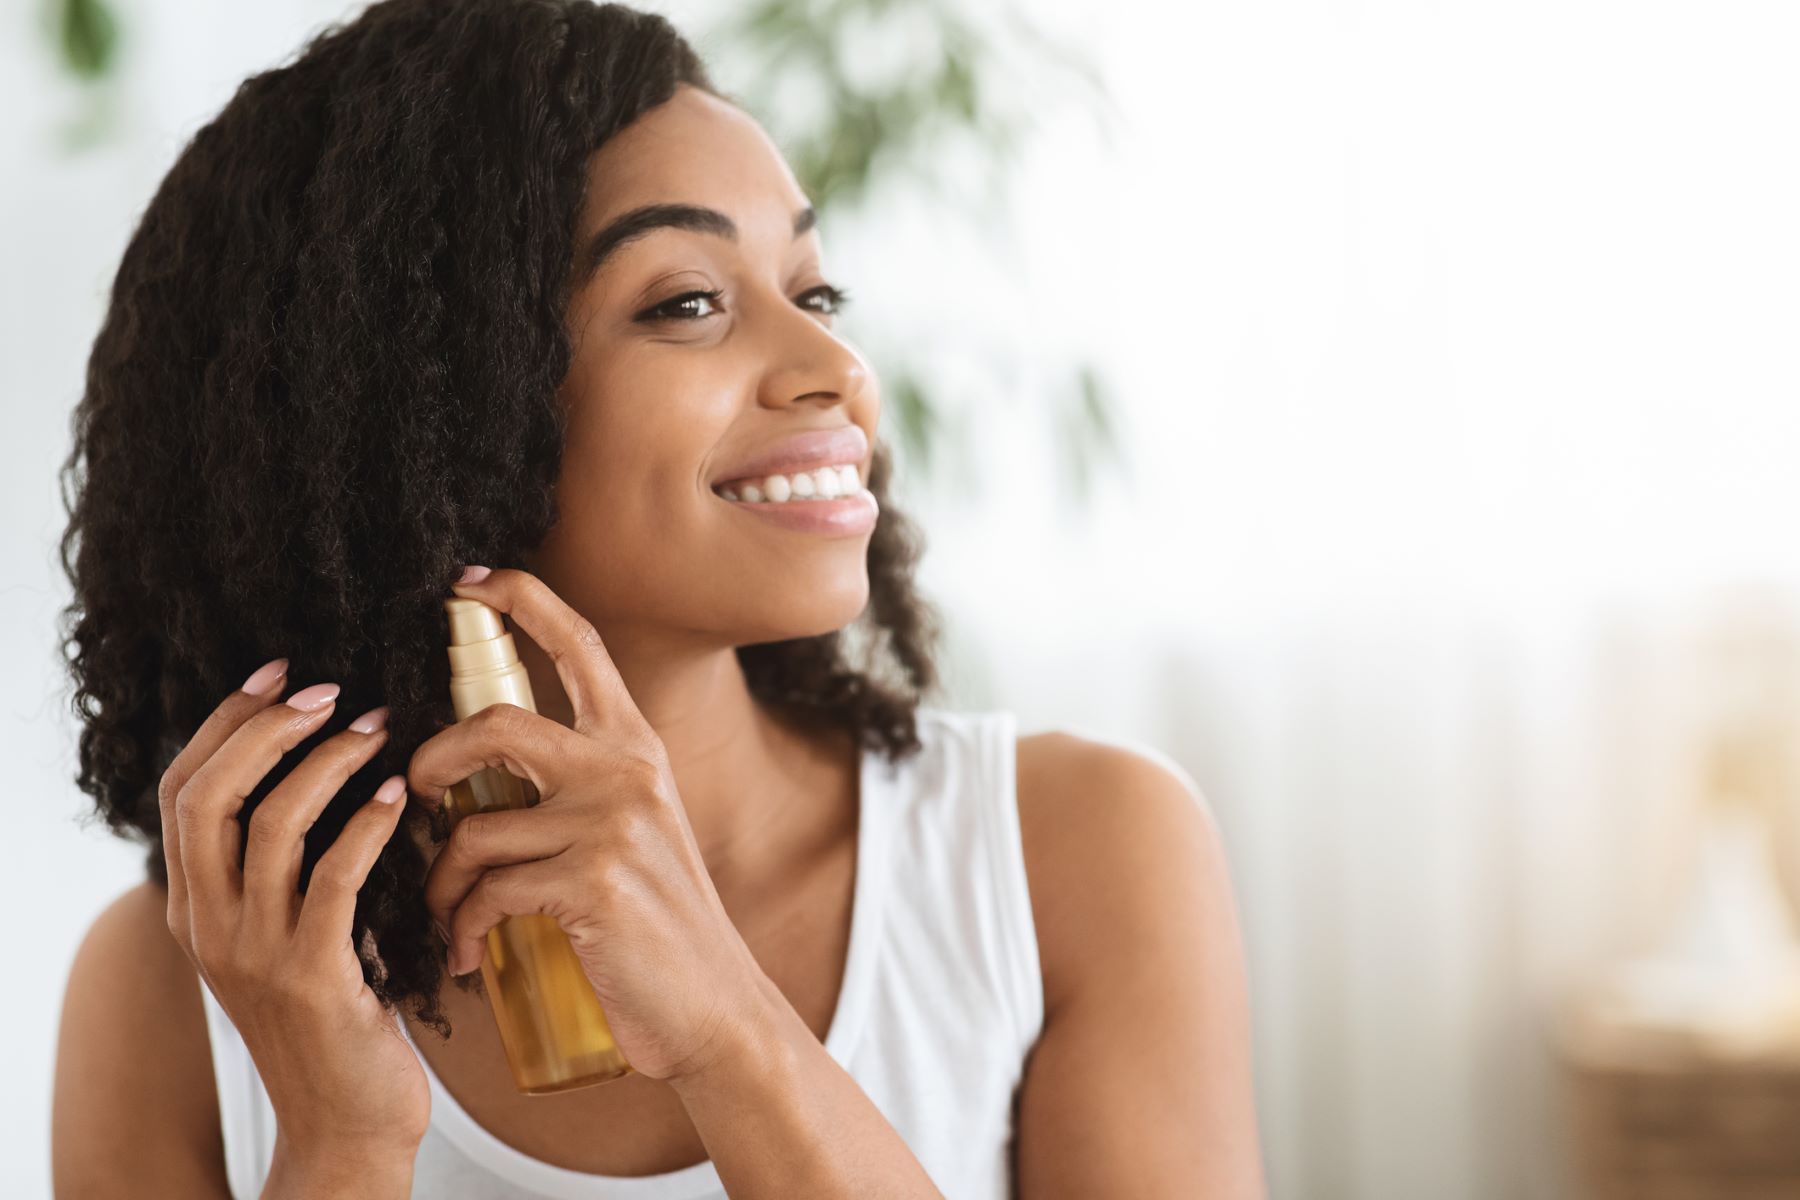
550	1022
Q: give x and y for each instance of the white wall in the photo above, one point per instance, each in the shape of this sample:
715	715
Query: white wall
1454	342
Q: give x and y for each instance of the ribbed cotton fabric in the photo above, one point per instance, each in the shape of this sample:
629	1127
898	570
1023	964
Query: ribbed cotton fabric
942	997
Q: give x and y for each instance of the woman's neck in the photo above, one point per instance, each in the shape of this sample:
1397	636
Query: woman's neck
756	787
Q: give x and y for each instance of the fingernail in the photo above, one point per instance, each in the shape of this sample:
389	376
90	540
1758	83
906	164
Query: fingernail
265	677
474	574
442	932
315	697
391	789
370	721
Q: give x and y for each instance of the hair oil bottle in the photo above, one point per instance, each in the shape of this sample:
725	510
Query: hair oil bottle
555	1035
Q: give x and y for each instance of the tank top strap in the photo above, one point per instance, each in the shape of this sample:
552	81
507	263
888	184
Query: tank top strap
972	757
999	800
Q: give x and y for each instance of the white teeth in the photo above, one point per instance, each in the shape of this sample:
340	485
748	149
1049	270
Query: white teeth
824	483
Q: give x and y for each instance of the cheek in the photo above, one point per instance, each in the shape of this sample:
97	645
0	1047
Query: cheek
632	469
634	516
647	428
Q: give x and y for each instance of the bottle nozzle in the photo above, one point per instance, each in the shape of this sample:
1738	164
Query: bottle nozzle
472	621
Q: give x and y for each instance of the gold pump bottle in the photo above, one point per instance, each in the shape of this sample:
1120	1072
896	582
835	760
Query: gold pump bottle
555	1035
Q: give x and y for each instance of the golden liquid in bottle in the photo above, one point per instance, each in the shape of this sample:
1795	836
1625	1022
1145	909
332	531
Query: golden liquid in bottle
555	1035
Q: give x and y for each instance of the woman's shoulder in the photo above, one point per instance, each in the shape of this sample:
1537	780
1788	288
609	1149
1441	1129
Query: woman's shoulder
1103	825
135	1107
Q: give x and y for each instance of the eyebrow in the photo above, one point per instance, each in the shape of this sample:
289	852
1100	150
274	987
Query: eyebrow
640	221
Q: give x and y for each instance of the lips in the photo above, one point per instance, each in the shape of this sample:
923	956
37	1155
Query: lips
802	452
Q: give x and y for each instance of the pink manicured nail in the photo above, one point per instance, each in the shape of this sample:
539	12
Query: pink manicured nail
315	697
474	574
265	677
391	789
370	721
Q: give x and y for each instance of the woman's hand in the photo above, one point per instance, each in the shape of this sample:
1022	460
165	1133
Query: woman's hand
606	852
344	1084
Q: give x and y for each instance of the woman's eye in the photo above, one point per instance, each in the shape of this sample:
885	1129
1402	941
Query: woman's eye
836	295
664	311
674	308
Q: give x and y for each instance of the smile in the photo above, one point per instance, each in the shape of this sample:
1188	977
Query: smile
822	483
829	500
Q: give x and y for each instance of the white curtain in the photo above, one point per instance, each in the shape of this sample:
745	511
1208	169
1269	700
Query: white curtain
1456	346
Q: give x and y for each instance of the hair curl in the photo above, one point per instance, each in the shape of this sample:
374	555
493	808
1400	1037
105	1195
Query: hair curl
327	377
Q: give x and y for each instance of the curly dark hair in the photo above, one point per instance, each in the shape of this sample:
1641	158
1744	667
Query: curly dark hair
327	377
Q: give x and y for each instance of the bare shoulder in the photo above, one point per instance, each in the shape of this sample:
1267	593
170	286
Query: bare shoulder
1106	830
135	1110
1141	1082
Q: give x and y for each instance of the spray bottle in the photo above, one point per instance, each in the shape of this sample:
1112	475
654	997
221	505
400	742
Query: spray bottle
555	1035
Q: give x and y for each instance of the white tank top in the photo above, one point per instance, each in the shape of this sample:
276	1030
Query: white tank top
941	1001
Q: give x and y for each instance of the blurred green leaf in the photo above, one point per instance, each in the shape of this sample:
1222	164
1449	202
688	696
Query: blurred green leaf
1090	438
86	36
914	416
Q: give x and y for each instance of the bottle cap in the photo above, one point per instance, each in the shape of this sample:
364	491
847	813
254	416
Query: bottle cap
479	641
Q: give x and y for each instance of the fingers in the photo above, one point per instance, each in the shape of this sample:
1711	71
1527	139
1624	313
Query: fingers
501	735
597	693
527	887
328	913
276	845
256	693
484	840
207	807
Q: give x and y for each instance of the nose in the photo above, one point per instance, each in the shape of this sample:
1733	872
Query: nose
808	361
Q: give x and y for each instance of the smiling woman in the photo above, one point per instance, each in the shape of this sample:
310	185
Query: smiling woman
511	282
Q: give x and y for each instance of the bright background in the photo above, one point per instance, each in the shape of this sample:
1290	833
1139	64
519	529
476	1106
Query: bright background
1453	349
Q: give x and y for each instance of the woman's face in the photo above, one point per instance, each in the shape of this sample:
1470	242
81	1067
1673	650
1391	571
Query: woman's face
670	395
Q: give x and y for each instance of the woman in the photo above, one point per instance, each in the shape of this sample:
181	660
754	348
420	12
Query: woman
510	283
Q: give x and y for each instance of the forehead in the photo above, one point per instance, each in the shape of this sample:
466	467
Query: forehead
694	149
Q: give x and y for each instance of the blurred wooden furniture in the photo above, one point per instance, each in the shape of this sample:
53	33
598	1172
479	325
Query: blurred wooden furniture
1661	1116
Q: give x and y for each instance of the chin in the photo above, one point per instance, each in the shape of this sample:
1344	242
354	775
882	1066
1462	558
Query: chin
809	613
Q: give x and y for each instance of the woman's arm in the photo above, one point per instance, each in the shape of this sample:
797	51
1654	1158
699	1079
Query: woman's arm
1140	1084
781	1118
134	1111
